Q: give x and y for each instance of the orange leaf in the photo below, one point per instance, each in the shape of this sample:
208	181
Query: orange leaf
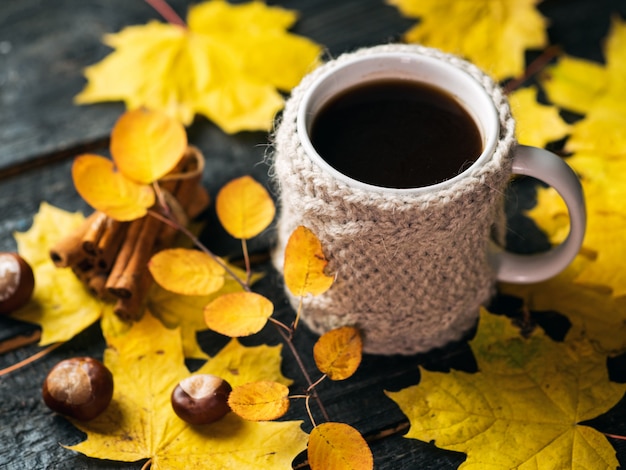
260	401
340	447
305	263
186	272
238	314
338	352
146	145
109	191
244	207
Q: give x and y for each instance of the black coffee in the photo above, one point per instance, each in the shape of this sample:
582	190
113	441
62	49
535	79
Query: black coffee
396	133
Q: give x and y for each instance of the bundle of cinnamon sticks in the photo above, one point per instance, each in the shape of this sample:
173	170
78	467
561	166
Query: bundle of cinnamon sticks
111	257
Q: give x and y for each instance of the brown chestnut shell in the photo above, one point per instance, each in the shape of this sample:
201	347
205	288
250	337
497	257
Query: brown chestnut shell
80	387
17	282
202	409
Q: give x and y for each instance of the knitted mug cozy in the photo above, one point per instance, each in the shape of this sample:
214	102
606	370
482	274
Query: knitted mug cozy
411	269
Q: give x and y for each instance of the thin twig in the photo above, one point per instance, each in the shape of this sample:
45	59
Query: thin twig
19	341
307	377
30	359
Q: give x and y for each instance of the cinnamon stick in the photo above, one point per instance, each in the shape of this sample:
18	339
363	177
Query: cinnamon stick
68	251
111	257
97	286
123	257
95	230
110	243
130	308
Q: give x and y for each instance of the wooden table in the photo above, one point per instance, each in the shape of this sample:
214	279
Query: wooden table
44	45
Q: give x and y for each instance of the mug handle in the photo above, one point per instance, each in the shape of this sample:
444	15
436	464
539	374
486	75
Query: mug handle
552	170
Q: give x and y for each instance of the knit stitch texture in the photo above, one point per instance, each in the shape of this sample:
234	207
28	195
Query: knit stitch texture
412	270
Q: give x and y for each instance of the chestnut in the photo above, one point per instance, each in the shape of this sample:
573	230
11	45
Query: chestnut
201	398
81	388
17	282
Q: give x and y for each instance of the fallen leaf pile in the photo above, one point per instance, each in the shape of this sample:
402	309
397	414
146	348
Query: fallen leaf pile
227	64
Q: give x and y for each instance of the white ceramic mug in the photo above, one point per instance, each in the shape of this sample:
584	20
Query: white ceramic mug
441	243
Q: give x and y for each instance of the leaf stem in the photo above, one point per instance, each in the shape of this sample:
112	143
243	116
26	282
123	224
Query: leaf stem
246	259
298	312
281	325
306	375
30	359
533	68
167	12
308	410
147	465
316	383
615	436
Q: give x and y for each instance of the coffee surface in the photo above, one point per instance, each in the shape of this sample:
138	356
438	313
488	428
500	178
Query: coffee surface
396	133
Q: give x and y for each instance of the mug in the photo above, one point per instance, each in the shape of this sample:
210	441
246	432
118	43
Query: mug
413	265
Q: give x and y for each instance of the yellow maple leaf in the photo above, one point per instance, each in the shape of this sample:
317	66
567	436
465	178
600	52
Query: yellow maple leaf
60	305
492	33
597	91
604	183
227	65
141	424
580	85
536	124
590	308
602	129
529	397
574	83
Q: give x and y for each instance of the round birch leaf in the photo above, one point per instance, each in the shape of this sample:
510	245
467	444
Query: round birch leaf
260	401
146	145
186	272
340	447
305	264
244	208
338	352
238	313
109	191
